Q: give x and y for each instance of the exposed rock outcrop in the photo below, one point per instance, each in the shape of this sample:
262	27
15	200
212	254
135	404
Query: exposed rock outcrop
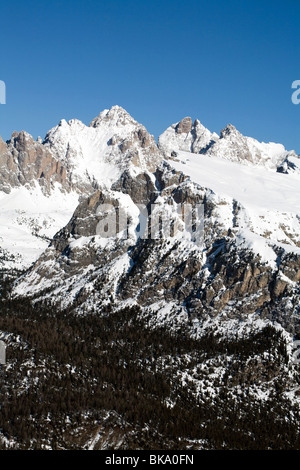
24	161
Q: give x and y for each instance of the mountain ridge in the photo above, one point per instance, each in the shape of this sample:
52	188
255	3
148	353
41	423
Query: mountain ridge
148	286
111	152
230	144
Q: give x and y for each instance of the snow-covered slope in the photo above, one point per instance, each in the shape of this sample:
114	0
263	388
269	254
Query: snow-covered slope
28	221
252	186
269	200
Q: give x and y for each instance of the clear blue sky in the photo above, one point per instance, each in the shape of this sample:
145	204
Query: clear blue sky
218	61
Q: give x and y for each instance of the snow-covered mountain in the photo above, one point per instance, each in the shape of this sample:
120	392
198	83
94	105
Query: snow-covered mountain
249	209
230	144
41	181
233	146
187	136
98	154
116	157
29	220
198	231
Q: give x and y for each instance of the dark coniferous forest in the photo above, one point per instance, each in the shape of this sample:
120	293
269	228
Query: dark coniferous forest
71	378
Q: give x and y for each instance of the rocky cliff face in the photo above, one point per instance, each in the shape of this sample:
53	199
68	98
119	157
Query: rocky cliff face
25	161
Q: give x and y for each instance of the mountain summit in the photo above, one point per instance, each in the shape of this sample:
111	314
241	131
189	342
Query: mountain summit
99	153
186	135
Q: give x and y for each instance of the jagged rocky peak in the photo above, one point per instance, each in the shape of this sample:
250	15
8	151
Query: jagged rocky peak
115	116
24	161
234	146
184	126
79	157
230	144
186	136
229	130
99	153
118	119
